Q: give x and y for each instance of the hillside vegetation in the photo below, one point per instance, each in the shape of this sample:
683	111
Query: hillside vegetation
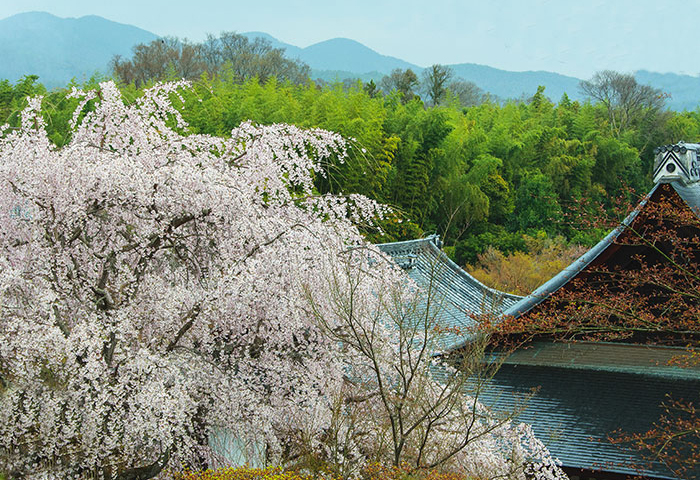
478	172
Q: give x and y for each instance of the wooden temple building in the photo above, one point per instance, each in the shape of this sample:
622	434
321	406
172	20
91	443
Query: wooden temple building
586	389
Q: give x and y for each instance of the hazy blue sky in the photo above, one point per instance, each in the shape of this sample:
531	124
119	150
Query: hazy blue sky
565	36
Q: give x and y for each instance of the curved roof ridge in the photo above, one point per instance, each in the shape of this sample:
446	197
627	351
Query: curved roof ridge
470	278
461	296
407	243
574	268
430	242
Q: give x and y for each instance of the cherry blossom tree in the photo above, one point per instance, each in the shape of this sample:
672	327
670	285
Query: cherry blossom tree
148	286
152	293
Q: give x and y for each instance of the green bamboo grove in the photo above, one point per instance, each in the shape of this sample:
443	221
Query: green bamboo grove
481	175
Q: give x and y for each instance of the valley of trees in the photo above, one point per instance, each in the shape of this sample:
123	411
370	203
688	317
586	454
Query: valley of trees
484	173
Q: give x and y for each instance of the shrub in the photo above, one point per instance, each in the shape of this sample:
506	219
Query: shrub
241	473
371	472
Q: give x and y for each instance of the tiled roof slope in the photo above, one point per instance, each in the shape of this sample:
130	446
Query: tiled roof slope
589	390
462	295
574	410
639	359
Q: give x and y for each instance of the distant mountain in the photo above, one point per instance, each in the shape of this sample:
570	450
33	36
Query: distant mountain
684	89
346	54
59	49
341	58
291	51
339	54
507	84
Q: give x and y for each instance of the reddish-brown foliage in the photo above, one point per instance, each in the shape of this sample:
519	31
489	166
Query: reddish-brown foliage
644	287
674	439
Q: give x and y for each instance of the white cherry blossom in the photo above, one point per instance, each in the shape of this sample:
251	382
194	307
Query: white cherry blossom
152	290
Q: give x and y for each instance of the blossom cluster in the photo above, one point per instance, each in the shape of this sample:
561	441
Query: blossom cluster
155	303
149	290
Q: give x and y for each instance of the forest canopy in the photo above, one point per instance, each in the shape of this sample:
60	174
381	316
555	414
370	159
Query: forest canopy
479	171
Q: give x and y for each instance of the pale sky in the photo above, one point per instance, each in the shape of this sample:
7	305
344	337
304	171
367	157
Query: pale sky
570	37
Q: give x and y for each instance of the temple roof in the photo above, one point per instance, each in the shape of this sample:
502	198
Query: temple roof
585	390
462	294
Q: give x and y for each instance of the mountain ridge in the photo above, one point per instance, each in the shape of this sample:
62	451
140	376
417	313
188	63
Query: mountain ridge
60	49
684	90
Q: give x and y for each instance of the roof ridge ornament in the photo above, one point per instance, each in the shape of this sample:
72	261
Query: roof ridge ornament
435	239
677	163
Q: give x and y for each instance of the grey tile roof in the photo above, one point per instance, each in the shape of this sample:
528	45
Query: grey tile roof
650	360
690	194
461	294
574	411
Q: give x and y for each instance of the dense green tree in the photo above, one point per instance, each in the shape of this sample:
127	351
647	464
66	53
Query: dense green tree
13	97
405	82
461	205
476	171
616	164
434	80
418	154
371	88
536	206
